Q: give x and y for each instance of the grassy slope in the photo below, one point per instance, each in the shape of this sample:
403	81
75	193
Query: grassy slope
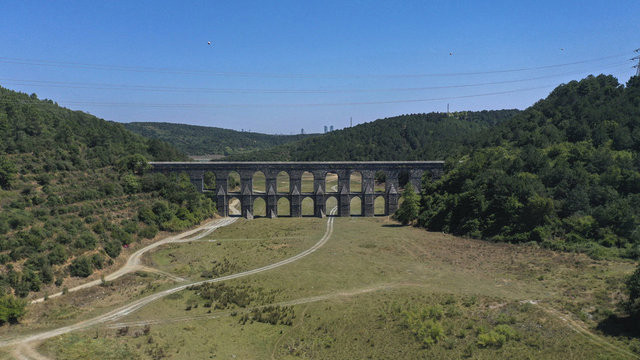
369	274
205	140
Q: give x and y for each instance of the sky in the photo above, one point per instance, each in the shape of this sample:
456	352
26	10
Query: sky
283	66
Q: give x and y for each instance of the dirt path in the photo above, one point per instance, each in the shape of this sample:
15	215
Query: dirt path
580	328
137	304
134	263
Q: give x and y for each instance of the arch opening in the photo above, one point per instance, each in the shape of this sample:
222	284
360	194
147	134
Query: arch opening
233	182
331	183
209	181
234	207
378	206
403	178
259	208
283	207
283	182
356	181
307	182
380	181
307	206
259	182
356	206
330	204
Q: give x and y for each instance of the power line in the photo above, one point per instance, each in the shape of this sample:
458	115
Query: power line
193	105
89	66
171	89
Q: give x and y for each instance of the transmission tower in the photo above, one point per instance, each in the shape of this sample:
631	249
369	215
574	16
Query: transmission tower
637	66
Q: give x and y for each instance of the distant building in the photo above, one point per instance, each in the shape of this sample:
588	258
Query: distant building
302	131
331	128
325	129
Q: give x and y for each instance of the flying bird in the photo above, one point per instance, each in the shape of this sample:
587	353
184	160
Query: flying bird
208	42
450	54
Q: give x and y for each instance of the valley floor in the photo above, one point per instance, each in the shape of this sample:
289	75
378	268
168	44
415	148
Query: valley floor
369	289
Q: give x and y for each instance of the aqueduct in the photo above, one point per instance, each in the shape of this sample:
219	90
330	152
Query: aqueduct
343	192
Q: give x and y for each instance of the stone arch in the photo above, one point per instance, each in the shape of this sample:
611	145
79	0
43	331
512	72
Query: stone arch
356	181
380	181
356	206
379	205
209	181
235	206
259	207
307	182
259	182
308	206
283	207
403	178
330	203
233	182
331	181
283	182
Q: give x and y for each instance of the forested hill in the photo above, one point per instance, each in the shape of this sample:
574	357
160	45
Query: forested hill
74	194
563	173
407	137
204	140
62	138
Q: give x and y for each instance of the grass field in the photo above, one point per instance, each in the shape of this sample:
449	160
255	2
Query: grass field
375	290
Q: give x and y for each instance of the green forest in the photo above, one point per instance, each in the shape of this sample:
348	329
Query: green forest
564	174
74	191
204	140
407	137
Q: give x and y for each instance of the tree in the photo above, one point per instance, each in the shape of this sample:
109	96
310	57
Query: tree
7	172
633	286
409	208
11	309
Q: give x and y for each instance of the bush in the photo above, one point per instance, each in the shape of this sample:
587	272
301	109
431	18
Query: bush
148	232
11	309
113	248
81	267
633	286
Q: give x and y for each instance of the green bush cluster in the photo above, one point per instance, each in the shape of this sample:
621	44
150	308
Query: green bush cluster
563	173
497	337
273	315
425	324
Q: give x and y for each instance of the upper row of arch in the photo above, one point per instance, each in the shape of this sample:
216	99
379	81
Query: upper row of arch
283	181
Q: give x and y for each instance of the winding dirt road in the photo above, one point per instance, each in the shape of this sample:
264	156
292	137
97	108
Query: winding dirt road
137	304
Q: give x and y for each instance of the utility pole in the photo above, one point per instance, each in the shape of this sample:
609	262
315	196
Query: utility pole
447	108
637	66
351	121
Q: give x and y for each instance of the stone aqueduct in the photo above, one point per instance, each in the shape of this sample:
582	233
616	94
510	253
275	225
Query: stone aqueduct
295	196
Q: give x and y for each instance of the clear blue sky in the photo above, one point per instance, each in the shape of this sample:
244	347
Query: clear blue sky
279	66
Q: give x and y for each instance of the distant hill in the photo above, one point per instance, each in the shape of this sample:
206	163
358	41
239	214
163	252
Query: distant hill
204	140
407	137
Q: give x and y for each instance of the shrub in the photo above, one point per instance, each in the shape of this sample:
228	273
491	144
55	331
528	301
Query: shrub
11	309
113	248
148	232
81	267
633	286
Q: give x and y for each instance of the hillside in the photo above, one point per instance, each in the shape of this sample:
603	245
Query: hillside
73	193
204	140
407	137
564	173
